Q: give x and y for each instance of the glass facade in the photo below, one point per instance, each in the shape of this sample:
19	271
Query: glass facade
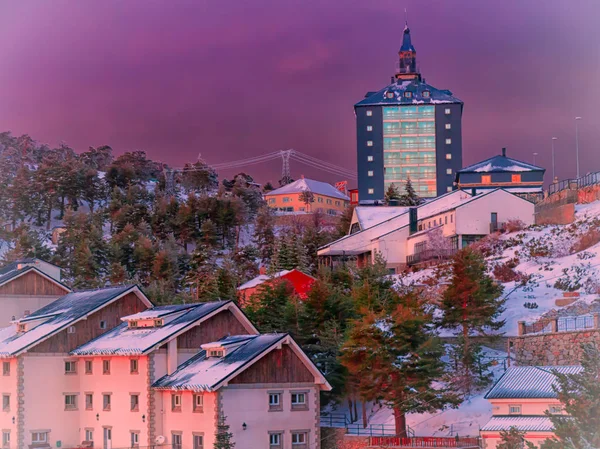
409	148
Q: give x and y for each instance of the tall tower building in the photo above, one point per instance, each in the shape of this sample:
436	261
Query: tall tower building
408	129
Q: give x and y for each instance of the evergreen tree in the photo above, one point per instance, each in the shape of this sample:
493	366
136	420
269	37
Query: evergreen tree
580	396
264	234
269	307
372	290
395	357
26	243
513	438
223	437
307	197
472	305
410	197
202	276
342	227
268	187
392	193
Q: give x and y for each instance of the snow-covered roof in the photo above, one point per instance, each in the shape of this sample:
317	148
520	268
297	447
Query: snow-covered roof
500	164
58	315
316	187
416	88
262	278
201	373
522	423
515	190
368	216
124	340
529	382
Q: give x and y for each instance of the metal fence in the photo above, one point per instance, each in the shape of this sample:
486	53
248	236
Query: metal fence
341	421
575	183
425	442
561	324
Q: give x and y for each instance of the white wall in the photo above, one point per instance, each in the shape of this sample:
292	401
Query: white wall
16	305
393	247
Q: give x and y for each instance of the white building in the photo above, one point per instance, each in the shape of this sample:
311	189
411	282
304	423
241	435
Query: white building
402	239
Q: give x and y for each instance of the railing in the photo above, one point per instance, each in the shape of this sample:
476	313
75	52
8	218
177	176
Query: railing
408	115
497	227
341	421
425	442
334	420
430	254
561	324
396	161
409	146
428	130
401	177
575	183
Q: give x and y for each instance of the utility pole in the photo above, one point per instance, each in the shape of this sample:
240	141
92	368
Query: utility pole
534	155
285	168
553	165
577	143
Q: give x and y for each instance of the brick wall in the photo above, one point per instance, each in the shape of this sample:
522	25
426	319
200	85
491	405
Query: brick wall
558	348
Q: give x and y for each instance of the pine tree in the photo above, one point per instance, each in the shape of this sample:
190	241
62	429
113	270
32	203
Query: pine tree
394	356
472	305
410	197
26	243
580	396
513	438
392	194
223	437
307	197
264	234
269	308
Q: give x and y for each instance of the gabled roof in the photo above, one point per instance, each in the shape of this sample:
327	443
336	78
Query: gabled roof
531	382
500	164
201	373
368	216
261	279
522	423
124	340
316	187
58	315
416	88
16	269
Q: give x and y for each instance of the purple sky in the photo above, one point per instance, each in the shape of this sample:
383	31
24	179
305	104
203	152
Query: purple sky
238	78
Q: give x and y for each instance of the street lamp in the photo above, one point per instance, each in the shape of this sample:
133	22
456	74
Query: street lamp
534	155
577	143
553	169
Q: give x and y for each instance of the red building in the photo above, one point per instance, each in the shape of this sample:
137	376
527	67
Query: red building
300	282
353	193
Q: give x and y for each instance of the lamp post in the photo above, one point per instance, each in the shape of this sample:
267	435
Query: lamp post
534	155
577	143
553	166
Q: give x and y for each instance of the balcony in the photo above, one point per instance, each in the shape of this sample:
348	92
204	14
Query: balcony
409	146
408	115
408	161
497	227
429	255
407	131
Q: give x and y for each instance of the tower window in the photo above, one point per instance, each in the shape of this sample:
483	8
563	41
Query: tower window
448	171
516	178
486	179
408	94
370	173
390	95
448	126
369	128
448	141
369	143
369	158
369	113
447	111
371	191
426	94
448	189
448	156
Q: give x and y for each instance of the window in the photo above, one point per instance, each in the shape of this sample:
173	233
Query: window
319	199
299	401
448	156
71	330
447	111
369	158
22	328
6	402
70	402
486	179
446	219
275	440
555	409
176	402
389	95
133	323
369	113
515	178
271	200
89	401
39	437
70	367
105	366
198	403
371	191
133	366
275	404
135	439
329	201
449	189
89	367
369	128
106	402
408	94
448	126
286	199
448	171
451	218
299	440
102	324
370	173
89	434
435	222
134	400
198	441
448	141
369	143
426	94
176	441
337	203
514	409
6	368
216	353
5	438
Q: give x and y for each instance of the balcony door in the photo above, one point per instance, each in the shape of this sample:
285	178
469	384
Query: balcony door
107	438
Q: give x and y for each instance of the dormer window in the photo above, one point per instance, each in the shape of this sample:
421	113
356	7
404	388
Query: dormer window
21	328
158	322
133	323
426	94
408	94
390	95
216	352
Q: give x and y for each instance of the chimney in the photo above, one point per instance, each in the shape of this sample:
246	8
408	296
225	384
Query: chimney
413	218
503	152
474	191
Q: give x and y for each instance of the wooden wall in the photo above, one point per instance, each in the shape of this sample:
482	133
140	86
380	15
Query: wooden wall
32	283
279	366
221	325
86	330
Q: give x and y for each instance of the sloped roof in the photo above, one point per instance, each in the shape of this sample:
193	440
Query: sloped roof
368	216
316	187
529	382
416	87
57	316
522	423
12	271
123	340
262	278
500	164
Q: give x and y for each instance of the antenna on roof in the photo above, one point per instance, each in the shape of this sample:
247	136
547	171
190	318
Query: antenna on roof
405	17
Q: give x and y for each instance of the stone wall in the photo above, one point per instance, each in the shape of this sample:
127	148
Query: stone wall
557	348
333	438
557	209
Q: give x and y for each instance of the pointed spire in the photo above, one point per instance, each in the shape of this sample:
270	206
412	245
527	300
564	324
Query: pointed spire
406	41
